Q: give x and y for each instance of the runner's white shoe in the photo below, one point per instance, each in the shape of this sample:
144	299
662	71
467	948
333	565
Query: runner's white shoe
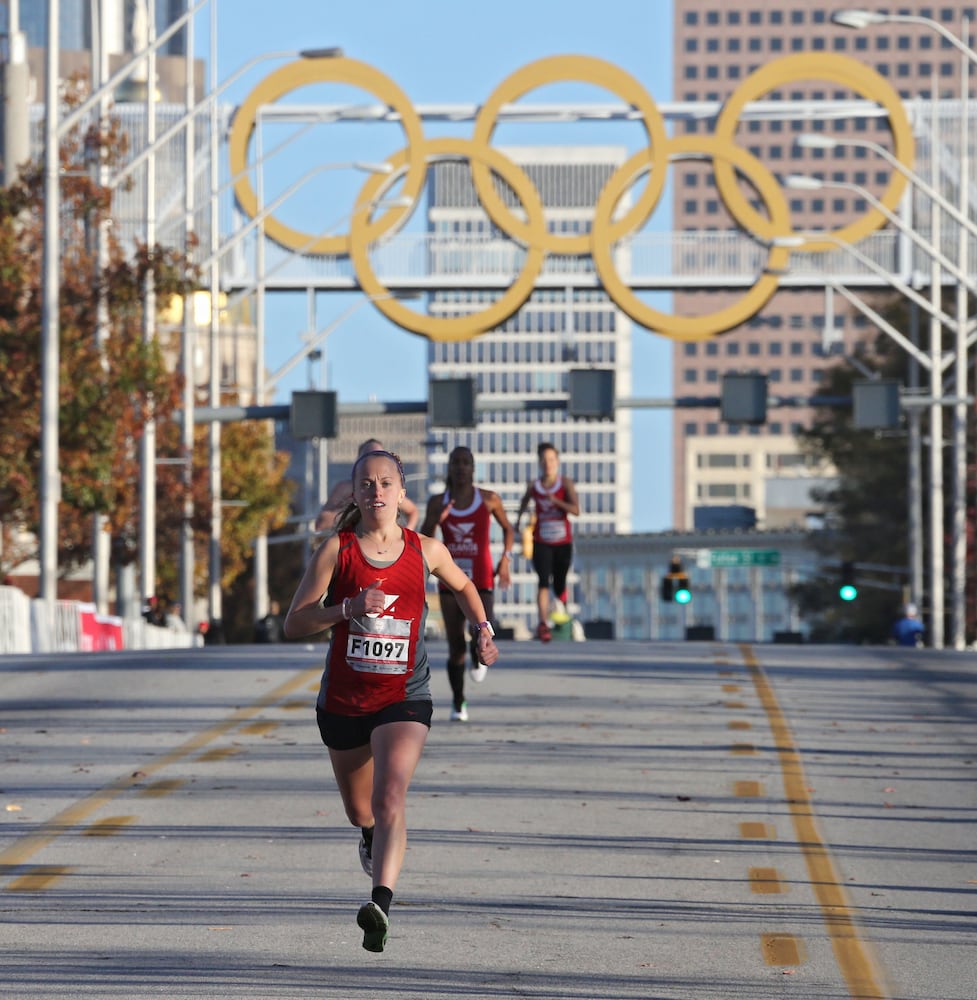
460	714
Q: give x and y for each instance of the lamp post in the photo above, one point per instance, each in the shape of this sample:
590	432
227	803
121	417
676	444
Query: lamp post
859	19
934	363
958	560
212	262
50	486
147	156
55	128
314	342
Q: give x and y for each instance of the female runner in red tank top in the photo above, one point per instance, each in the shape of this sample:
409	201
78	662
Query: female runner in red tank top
367	583
555	498
464	514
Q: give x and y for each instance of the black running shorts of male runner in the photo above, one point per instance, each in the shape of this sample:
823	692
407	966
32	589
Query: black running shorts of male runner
346	732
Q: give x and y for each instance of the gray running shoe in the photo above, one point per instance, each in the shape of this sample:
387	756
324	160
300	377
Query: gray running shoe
366	859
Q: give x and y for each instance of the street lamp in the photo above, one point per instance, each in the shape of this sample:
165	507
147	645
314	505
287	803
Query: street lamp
815	140
935	364
800	182
56	128
214	592
147	156
858	19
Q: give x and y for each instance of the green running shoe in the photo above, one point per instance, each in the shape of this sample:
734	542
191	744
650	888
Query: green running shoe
375	924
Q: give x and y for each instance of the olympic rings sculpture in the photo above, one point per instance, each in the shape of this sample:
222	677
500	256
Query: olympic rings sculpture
730	164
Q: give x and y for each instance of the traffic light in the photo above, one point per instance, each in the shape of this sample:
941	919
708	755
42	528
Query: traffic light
743	399
451	402
313	415
847	590
675	584
591	393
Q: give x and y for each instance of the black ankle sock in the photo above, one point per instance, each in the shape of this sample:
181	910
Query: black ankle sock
367	832
383	897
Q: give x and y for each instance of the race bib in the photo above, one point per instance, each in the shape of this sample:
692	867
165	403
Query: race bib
552	532
466	566
378	645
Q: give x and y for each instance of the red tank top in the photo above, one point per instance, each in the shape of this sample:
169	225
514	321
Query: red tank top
466	537
552	523
376	661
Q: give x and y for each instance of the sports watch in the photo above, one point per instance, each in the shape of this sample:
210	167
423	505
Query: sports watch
487	626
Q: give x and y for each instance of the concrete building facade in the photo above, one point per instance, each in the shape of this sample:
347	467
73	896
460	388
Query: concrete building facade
797	335
523	367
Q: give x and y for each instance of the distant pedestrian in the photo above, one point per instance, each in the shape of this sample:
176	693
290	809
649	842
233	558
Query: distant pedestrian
555	499
269	628
367	583
342	493
908	629
152	611
464	514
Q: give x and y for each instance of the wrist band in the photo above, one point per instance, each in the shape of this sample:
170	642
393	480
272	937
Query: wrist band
347	610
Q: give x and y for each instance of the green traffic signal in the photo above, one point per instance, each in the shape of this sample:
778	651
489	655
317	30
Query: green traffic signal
847	590
675	584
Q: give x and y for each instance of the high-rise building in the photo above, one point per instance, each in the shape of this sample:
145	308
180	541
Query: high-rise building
524	365
795	336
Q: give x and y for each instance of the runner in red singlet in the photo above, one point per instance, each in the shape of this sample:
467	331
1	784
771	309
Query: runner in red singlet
367	583
555	498
464	514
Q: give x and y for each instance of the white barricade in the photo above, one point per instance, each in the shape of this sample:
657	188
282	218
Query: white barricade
31	626
15	621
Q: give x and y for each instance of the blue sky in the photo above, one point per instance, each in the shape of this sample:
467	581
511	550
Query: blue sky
447	51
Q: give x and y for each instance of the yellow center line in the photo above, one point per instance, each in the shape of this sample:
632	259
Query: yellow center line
25	847
851	953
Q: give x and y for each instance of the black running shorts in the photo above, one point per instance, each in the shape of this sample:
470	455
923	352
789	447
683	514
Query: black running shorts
346	732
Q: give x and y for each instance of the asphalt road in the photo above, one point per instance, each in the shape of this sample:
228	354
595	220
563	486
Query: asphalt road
617	820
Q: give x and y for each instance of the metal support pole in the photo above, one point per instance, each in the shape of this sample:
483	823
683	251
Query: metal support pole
915	473
101	536
188	355
147	447
959	529
261	601
50	325
16	98
936	625
216	487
